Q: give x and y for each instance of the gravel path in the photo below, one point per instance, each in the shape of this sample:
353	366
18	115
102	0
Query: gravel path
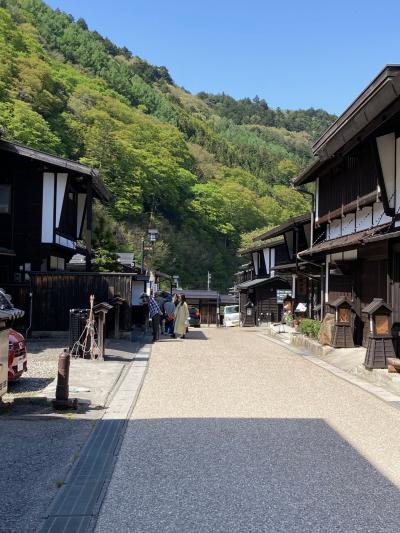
42	369
234	433
31	475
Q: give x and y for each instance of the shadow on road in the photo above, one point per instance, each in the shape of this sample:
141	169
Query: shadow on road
245	475
33	384
196	335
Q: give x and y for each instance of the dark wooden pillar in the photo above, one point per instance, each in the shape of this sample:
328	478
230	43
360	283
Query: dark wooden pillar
89	224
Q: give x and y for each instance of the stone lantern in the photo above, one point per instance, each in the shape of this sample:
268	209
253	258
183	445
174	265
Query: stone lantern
343	329
380	341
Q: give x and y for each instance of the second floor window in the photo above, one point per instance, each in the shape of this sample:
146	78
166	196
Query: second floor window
5	199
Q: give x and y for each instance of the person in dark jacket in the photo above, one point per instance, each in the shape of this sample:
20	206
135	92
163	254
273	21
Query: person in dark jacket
155	314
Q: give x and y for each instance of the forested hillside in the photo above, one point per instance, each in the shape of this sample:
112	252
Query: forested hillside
204	169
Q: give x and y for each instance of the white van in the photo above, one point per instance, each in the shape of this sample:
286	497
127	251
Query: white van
231	316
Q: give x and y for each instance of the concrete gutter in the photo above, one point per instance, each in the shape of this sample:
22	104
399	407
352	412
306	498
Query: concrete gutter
79	500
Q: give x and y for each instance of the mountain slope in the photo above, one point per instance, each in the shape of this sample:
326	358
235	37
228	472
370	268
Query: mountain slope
204	173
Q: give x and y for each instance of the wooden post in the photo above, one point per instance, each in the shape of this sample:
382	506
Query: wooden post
101	335
89	224
100	310
116	322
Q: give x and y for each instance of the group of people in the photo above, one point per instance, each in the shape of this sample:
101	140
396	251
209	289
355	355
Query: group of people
169	314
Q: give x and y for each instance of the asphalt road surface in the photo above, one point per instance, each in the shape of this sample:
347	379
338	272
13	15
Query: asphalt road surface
234	433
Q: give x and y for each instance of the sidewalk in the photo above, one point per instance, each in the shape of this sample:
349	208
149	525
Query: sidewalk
349	360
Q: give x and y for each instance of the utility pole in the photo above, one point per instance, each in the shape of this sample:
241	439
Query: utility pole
208	280
142	251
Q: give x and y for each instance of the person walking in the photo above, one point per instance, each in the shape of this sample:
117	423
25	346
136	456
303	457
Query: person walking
181	317
155	313
160	299
169	308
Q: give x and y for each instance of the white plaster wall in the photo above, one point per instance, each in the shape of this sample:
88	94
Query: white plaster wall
378	215
364	218
266	253
47	207
349	224
60	193
335	229
255	262
387	155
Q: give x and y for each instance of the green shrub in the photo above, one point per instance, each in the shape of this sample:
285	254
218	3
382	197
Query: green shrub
310	327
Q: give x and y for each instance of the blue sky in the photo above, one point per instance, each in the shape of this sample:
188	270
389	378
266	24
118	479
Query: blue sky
295	54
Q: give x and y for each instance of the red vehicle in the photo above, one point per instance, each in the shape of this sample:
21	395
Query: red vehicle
17	355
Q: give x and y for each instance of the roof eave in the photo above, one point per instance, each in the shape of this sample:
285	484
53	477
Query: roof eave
99	189
285	226
378	95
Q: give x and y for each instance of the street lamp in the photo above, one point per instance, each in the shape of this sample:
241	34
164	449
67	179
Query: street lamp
152	235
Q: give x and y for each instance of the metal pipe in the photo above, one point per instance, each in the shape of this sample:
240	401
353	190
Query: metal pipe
142	260
28	329
62	400
304	191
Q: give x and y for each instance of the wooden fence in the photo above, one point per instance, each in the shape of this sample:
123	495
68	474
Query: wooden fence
54	294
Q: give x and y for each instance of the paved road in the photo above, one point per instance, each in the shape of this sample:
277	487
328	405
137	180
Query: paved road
234	433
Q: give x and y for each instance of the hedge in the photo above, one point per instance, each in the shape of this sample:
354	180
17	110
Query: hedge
310	327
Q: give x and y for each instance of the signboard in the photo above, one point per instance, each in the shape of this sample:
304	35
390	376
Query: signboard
281	295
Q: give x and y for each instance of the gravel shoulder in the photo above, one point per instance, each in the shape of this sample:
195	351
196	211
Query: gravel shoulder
42	369
38	445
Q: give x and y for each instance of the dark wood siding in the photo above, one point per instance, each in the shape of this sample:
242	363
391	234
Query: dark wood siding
265	299
355	176
363	280
54	294
395	294
281	254
266	303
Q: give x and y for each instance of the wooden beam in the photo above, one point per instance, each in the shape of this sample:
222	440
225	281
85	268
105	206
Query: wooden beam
348	208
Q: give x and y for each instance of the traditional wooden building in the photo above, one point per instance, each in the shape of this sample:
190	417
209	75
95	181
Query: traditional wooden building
261	296
208	303
46	217
45	210
297	234
357	203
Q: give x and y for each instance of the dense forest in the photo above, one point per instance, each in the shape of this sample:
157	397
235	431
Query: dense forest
204	169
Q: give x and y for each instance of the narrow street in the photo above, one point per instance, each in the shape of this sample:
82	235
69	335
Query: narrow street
232	432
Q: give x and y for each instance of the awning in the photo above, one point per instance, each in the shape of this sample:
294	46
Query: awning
261	246
286	266
260	281
347	242
6	251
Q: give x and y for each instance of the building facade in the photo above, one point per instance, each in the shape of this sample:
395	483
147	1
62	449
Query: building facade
356	177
